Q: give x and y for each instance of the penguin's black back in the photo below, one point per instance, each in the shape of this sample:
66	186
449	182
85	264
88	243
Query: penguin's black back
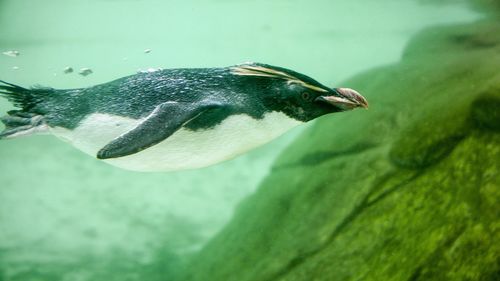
137	95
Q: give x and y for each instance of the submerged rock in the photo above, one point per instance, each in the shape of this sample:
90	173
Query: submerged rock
485	112
490	6
428	141
408	190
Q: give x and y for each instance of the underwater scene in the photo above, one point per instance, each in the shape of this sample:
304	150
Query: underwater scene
262	176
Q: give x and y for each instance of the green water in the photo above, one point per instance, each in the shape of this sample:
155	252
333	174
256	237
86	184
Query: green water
67	216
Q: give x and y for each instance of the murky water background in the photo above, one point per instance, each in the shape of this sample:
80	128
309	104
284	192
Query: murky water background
60	208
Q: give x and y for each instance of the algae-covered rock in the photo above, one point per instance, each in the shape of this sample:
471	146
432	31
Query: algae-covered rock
428	141
485	111
491	6
466	38
408	190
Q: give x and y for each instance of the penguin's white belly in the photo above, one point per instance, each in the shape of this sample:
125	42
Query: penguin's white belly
185	149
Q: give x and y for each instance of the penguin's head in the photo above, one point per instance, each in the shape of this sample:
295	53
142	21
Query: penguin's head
305	103
300	96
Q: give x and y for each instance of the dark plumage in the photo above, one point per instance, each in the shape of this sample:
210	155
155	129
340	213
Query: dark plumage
166	101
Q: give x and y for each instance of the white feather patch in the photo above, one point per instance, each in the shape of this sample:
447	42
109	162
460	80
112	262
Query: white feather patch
185	149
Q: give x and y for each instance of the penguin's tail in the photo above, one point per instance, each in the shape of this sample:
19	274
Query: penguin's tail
27	120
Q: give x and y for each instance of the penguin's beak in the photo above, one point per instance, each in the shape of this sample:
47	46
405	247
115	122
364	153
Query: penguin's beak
344	98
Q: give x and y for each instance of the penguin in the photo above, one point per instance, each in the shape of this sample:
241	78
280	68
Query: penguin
175	119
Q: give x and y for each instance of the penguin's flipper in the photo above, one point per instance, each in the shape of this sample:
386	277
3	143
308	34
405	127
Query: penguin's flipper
165	119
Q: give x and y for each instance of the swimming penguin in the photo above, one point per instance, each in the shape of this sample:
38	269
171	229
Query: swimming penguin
175	119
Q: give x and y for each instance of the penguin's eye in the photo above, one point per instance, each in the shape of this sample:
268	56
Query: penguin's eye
305	95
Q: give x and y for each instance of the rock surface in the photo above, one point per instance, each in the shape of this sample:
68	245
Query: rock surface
408	190
492	6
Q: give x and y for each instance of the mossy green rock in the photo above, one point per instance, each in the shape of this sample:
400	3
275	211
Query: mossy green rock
491	6
407	190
